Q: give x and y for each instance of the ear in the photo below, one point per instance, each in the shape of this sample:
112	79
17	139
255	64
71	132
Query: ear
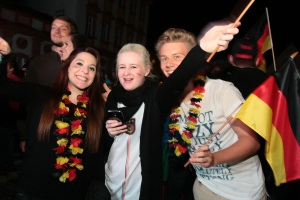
230	59
148	69
256	61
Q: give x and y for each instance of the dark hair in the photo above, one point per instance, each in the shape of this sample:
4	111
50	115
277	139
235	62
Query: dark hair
14	64
69	20
95	108
79	41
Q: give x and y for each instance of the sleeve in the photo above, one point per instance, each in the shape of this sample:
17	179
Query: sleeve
231	99
172	88
20	92
31	72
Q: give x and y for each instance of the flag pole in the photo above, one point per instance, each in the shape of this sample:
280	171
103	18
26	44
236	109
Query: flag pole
269	26
233	25
294	55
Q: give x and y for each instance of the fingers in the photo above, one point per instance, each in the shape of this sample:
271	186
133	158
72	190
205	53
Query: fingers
4	47
115	128
107	89
202	157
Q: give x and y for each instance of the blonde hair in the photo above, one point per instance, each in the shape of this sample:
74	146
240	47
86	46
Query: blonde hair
176	35
142	51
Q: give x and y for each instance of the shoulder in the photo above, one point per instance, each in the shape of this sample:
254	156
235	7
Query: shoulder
220	87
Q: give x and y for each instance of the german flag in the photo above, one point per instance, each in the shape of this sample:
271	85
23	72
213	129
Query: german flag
260	32
273	111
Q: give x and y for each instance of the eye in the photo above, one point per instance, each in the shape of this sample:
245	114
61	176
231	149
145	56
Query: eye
79	64
163	58
133	66
93	69
121	67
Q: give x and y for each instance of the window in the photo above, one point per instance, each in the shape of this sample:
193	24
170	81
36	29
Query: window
121	2
90	25
132	5
104	34
118	37
142	11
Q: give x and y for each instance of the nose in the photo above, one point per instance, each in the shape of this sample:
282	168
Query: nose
170	63
126	71
85	69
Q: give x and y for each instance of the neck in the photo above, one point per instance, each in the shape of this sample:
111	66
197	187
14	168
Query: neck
74	95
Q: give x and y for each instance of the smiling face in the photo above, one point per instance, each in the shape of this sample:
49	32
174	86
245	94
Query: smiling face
131	70
67	48
59	31
82	71
171	55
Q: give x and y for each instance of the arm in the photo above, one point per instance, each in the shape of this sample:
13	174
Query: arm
4	47
20	92
246	146
170	91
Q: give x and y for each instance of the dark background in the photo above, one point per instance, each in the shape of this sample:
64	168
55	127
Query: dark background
192	15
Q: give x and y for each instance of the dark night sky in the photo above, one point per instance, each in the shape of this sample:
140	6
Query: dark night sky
192	15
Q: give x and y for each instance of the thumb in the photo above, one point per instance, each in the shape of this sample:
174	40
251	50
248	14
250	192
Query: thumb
107	89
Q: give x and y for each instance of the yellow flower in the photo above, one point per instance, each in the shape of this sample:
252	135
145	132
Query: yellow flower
76	150
63	106
173	140
61	124
191	125
198	95
186	139
62	142
65	97
78	130
177	152
64	177
176	110
199	77
174	126
194	110
62	160
78	166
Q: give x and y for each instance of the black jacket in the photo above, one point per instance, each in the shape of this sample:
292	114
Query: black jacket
159	101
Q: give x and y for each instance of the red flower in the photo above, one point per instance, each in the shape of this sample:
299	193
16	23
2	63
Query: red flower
82	111
75	160
72	174
192	119
63	130
188	135
60	149
66	101
199	89
83	98
76	123
181	148
173	116
76	142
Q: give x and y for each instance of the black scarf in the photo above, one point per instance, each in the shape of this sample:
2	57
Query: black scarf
131	99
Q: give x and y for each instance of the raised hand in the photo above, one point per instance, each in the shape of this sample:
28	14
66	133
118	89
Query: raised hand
4	47
216	33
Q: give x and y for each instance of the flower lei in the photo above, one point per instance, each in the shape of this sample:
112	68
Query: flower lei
69	136
179	143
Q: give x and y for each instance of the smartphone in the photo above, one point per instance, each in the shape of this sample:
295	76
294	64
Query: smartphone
116	114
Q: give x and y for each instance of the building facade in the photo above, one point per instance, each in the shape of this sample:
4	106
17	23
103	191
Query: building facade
109	24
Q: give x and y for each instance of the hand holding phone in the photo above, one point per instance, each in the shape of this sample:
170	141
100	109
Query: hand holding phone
117	115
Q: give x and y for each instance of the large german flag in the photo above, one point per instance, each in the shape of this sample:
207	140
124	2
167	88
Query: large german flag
260	32
273	111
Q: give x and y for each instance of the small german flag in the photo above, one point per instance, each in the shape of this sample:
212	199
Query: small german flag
260	32
273	111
